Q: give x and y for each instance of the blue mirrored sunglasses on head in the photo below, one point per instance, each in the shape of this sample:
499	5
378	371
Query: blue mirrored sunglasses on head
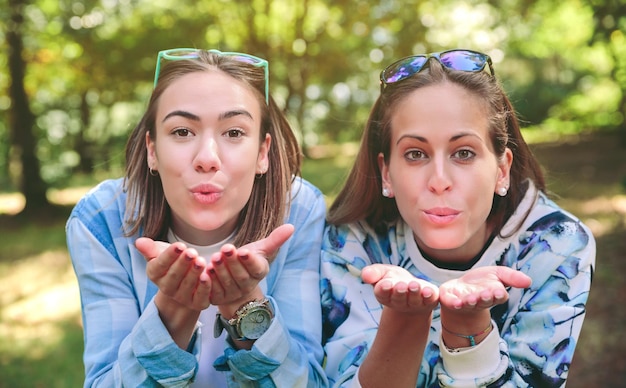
189	53
460	60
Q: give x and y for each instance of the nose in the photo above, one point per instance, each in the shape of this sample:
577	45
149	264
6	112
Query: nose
440	179
207	156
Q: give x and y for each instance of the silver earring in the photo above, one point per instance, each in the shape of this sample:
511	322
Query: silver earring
385	192
152	172
502	191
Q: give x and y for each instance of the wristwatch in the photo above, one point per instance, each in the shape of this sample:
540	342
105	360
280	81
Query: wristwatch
249	323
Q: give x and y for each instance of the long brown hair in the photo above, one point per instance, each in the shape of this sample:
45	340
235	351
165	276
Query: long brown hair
365	182
147	210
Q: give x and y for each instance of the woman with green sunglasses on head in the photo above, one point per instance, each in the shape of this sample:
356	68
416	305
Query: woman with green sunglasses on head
201	266
454	268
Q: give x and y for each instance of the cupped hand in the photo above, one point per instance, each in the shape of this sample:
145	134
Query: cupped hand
396	288
481	288
177	271
236	272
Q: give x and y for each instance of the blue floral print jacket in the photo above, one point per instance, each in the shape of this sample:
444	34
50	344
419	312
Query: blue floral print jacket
537	329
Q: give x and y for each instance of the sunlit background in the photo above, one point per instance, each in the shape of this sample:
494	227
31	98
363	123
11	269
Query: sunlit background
86	71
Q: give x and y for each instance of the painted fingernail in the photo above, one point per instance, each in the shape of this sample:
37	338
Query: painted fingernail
244	256
218	261
228	253
188	257
177	250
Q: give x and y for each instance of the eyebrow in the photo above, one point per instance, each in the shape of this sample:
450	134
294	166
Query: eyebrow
233	113
222	116
182	113
424	140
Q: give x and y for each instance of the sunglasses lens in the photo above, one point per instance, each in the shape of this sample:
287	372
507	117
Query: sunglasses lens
464	60
181	54
246	59
403	68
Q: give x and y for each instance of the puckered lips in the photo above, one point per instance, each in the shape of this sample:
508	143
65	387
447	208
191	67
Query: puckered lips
206	193
441	215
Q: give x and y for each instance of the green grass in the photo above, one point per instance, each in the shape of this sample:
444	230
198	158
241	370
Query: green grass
40	327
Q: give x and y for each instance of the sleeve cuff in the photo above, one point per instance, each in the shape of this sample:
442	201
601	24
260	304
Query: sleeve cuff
266	354
154	347
480	360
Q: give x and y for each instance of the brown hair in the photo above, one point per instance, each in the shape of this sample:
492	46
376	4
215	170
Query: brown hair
365	182
147	211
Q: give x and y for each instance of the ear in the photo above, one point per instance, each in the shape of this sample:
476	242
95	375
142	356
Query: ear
504	170
384	175
153	161
263	161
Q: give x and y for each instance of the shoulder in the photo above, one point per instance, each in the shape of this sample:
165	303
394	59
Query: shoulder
103	207
303	191
361	236
103	196
307	201
552	237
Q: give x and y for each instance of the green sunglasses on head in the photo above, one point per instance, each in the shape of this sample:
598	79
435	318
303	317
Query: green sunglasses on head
189	53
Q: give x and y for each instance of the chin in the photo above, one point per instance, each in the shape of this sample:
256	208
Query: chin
441	241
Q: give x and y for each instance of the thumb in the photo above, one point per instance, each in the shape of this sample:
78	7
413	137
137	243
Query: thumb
513	278
373	273
275	240
150	248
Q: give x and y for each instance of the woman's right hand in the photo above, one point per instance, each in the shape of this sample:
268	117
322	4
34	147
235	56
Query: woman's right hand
177	271
398	289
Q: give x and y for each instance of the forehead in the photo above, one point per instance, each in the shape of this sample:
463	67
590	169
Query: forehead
207	91
439	108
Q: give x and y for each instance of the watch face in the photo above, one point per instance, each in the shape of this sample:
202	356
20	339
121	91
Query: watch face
255	323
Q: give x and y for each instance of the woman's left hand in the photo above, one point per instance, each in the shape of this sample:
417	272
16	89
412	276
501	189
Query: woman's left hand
236	272
481	288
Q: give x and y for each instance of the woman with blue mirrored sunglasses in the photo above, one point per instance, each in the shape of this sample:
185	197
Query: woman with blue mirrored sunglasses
453	268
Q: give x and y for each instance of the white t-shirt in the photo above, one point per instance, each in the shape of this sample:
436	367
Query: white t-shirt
212	348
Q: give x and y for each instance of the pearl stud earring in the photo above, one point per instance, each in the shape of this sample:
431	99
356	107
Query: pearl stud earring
502	191
385	192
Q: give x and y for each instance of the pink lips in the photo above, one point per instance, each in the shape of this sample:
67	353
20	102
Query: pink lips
206	193
441	215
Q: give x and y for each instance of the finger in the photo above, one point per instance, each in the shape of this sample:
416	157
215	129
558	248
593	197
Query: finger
449	299
269	245
171	282
373	273
246	268
222	274
159	266
150	248
217	292
383	290
251	265
188	284
202	296
513	278
399	296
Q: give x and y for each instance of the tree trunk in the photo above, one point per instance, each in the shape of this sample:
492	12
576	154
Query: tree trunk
83	147
21	118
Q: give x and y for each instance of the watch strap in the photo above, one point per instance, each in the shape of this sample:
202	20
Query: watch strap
231	325
222	324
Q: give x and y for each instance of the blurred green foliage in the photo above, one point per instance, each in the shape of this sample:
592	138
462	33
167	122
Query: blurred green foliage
90	64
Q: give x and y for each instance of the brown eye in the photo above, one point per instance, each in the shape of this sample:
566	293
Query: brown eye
234	133
464	154
414	155
182	132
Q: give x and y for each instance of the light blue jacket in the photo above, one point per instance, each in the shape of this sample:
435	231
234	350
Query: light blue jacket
126	343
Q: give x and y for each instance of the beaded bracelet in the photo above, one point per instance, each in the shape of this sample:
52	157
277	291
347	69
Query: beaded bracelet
472	337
